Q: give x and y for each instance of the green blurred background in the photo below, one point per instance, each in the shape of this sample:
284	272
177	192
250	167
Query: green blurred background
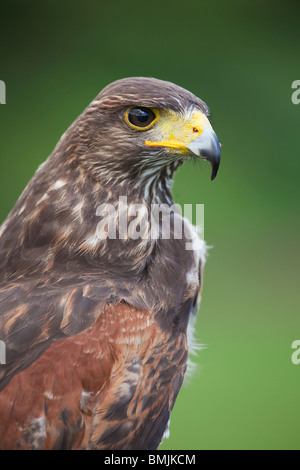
241	57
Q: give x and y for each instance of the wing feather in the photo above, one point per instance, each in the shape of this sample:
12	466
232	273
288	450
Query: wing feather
110	386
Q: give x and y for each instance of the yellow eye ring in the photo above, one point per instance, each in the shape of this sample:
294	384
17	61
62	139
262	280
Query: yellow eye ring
140	117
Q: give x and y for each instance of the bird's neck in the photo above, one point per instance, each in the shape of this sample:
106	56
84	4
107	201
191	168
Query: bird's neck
60	221
155	187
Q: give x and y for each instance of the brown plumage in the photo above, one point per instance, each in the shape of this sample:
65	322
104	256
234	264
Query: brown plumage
95	328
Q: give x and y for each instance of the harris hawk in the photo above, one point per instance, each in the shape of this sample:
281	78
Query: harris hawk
96	327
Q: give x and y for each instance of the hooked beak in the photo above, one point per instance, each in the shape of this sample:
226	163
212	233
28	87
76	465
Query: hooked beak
208	147
178	133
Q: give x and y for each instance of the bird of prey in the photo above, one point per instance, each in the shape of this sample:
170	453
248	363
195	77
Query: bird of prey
96	327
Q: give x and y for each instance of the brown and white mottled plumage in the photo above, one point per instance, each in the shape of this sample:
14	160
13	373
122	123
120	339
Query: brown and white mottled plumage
96	329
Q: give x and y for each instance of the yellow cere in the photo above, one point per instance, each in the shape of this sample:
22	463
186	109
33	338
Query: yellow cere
177	131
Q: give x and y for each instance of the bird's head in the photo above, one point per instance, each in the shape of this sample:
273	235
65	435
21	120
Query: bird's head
140	129
127	142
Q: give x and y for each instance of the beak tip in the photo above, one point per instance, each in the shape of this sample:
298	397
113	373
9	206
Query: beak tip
213	174
208	147
215	163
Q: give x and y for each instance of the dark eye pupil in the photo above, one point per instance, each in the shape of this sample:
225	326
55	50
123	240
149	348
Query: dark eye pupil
141	117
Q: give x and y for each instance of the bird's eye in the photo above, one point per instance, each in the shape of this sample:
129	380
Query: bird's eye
140	118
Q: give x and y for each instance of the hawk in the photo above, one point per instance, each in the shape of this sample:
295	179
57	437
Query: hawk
96	327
